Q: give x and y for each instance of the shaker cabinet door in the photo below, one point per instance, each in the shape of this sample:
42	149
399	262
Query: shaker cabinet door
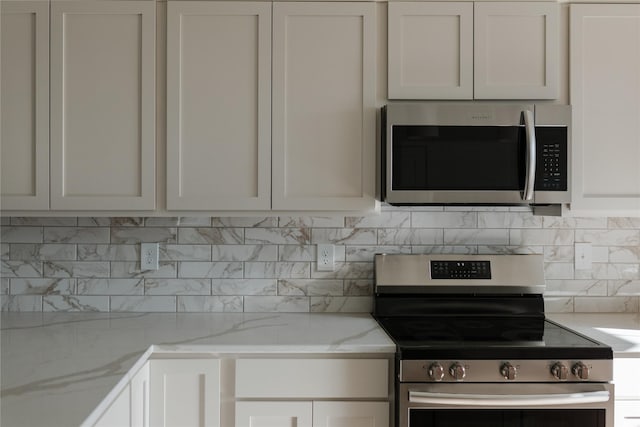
103	105
351	414
218	105
24	90
430	50
324	106
605	97
184	393
273	414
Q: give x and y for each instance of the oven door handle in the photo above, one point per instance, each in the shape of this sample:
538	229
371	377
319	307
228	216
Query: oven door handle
507	400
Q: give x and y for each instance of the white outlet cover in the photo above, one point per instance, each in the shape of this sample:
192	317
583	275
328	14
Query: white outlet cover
325	258
149	256
583	256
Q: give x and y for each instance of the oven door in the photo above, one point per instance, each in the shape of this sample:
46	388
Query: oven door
505	405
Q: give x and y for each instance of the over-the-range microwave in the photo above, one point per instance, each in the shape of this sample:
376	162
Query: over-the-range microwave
475	153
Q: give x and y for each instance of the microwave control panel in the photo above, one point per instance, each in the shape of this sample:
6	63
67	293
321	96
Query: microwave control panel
552	162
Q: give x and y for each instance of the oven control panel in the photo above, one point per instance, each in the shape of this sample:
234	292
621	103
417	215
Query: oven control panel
599	370
460	270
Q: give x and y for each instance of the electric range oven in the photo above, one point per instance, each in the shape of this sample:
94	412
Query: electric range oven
474	348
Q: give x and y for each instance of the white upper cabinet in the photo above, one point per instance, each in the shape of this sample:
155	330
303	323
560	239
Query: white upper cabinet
24	77
103	105
218	105
430	50
516	50
324	106
465	50
605	95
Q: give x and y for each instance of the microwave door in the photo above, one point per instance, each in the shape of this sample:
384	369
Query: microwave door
459	164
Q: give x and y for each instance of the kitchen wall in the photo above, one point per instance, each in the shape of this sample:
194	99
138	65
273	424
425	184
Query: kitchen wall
267	264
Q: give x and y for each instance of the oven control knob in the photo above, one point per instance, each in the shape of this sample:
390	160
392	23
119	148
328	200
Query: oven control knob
436	372
508	371
457	371
559	371
581	371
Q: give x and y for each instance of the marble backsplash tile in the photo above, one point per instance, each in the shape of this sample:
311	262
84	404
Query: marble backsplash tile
267	264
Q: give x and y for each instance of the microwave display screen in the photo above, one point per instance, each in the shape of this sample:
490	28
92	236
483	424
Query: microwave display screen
454	158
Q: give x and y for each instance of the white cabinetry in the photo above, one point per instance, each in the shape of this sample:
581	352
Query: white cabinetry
218	105
184	393
627	406
464	50
605	95
24	77
324	106
102	105
264	385
131	407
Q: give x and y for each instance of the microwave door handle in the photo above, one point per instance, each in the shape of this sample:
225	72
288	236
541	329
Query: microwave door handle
530	171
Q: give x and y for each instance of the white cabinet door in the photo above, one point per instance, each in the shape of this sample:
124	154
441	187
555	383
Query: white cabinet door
218	105
627	413
351	414
184	393
324	106
140	398
119	412
103	105
516	50
273	414
605	95
24	90
430	50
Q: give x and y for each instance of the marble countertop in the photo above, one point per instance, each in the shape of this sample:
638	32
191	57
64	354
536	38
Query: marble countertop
620	331
58	367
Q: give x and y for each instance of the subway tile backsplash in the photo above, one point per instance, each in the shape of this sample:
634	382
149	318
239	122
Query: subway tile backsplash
267	264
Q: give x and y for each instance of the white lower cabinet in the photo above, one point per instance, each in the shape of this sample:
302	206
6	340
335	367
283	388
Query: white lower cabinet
131	407
274	414
119	412
627	404
312	414
184	393
324	382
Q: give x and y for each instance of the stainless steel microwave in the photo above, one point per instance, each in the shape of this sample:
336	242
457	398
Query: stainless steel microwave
476	153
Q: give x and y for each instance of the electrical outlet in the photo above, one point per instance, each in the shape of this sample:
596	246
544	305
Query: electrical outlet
148	256
583	256
326	257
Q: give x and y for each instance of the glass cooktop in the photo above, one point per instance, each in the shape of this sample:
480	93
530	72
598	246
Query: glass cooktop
489	337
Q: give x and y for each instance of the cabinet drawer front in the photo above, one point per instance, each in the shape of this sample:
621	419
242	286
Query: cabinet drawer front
312	378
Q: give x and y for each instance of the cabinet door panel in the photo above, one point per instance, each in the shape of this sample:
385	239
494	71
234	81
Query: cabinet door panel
273	414
119	412
219	105
516	50
351	414
24	76
605	65
323	106
103	105
140	398
185	393
430	50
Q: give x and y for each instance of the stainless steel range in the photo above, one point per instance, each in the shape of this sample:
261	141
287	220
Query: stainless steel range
474	348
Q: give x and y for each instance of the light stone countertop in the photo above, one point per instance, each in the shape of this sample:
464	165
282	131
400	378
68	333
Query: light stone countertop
621	331
59	367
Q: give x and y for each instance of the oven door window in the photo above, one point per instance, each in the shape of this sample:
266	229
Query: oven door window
507	418
444	158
